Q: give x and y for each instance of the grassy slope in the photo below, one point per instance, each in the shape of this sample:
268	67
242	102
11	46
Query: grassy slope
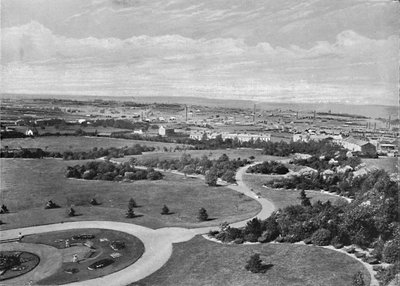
73	143
390	164
26	185
201	262
133	250
283	198
212	154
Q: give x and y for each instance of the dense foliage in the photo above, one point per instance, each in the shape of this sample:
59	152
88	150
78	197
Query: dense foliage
111	152
322	163
222	167
111	172
370	220
269	167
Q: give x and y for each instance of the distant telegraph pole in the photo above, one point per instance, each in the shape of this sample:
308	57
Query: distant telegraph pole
390	119
254	113
186	113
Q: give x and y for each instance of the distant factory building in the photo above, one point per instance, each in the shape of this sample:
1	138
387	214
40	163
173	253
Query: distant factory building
358	145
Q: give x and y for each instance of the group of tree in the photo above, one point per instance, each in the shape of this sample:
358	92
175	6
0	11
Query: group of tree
34	153
326	162
371	220
269	167
111	152
345	183
222	167
111	172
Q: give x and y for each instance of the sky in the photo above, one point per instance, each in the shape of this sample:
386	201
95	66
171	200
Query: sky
303	51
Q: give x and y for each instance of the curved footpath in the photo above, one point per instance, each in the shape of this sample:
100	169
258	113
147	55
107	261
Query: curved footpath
158	243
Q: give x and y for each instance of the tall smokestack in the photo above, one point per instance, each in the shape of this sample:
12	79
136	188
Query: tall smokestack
186	111
254	113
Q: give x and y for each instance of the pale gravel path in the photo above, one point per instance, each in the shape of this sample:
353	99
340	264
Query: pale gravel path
158	243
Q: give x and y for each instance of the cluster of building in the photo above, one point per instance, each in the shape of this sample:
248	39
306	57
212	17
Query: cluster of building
241	137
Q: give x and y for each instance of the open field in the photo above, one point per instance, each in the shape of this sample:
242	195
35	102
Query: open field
212	154
283	198
76	143
390	164
202	262
132	251
26	186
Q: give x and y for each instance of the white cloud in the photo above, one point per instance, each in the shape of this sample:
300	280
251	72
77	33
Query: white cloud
36	60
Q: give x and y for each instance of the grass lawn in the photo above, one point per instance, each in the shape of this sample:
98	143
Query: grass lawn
212	154
27	184
76	143
390	164
202	262
283	198
132	251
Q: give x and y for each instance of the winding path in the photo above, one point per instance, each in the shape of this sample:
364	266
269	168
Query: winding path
158	243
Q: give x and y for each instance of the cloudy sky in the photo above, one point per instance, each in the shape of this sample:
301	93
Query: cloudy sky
343	51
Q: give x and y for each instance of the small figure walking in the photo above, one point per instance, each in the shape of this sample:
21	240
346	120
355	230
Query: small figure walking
67	243
75	258
20	236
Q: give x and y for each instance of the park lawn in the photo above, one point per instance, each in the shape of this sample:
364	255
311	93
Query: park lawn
202	262
281	197
389	164
27	184
211	154
133	250
77	143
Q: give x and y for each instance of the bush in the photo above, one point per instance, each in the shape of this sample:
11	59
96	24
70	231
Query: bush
165	210
321	237
130	213
71	212
202	215
358	279
391	252
254	264
251	237
132	203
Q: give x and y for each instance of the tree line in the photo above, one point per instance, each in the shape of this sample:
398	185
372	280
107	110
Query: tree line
111	172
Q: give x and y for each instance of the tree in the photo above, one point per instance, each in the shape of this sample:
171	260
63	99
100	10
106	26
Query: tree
212	177
94	202
4	209
165	210
202	215
305	201
132	204
71	212
254	264
130	213
358	279
229	176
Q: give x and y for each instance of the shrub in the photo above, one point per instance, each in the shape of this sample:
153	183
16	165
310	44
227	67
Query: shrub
321	237
130	213
71	212
238	241
254	264
391	252
212	177
202	215
4	209
251	237
358	279
165	210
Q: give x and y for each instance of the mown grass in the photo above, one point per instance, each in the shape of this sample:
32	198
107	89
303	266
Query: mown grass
389	164
211	154
76	143
280	197
201	262
133	250
27	184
